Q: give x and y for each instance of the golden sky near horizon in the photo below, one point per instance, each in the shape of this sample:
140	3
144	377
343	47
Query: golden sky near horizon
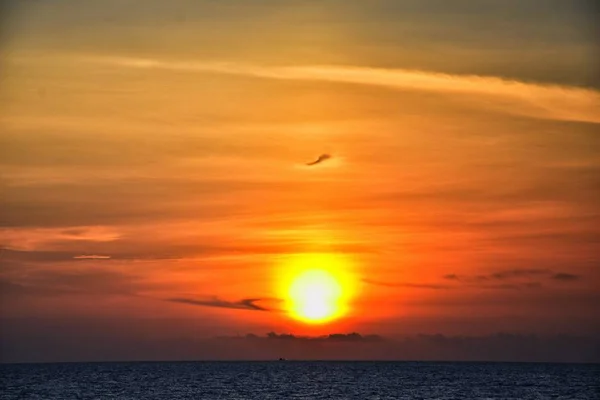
154	162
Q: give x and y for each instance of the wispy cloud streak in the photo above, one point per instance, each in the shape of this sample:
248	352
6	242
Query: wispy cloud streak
244	304
511	279
91	257
533	99
404	284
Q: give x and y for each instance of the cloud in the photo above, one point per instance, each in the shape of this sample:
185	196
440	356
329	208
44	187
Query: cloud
244	304
500	275
511	286
333	337
320	159
517	273
565	277
9	289
36	256
405	284
142	248
91	257
44	238
522	98
511	279
35	340
74	282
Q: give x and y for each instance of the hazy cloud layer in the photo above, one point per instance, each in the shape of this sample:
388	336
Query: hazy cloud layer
147	342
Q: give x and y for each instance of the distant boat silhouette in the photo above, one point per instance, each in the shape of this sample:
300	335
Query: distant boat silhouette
282	359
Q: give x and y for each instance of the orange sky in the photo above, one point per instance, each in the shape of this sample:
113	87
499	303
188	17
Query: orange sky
155	158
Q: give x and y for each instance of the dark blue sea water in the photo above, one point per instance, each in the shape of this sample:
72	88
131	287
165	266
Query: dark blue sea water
299	380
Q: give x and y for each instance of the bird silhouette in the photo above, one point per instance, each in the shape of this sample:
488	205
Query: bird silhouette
320	159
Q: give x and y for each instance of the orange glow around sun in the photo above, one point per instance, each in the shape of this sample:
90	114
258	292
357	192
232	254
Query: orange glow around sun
316	287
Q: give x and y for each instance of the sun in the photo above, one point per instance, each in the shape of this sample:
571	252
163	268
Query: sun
315	296
316	287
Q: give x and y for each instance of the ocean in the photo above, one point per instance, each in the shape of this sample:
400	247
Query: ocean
300	380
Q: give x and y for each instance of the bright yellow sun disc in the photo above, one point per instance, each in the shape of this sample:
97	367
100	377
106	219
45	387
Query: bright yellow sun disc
317	287
315	296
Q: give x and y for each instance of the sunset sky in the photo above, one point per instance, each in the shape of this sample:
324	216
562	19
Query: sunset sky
154	182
